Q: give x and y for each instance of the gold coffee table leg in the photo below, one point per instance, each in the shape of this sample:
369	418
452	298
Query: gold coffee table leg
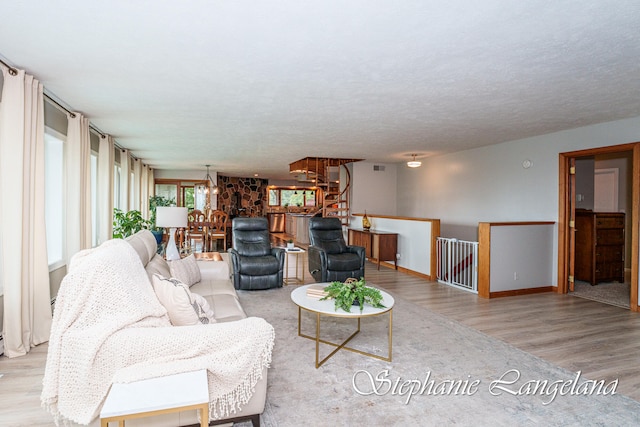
343	345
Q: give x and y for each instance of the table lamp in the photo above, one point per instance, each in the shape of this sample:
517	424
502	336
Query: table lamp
172	217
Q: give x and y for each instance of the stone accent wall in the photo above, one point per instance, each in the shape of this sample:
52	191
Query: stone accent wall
242	196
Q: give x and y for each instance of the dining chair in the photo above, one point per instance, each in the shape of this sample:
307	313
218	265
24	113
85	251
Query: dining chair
195	227
217	227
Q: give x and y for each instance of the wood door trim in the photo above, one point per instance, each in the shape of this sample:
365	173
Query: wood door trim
563	206
635	250
563	225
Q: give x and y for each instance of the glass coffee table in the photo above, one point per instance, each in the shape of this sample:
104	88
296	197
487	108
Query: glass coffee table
327	308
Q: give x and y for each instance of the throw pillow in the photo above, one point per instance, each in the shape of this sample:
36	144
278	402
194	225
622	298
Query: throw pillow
183	307
186	270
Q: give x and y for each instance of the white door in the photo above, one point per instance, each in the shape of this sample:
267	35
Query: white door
605	192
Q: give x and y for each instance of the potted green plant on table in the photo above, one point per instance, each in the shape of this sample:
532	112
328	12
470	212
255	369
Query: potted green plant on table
290	244
154	202
353	292
127	223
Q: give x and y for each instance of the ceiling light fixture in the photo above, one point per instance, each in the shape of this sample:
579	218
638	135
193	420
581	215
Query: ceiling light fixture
414	163
207	184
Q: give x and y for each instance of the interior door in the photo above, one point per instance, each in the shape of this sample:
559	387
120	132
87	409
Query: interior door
605	190
572	221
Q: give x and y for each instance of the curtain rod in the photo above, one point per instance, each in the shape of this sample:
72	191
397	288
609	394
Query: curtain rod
91	126
13	71
73	115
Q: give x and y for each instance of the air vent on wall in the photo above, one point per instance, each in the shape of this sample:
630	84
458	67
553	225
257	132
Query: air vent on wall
379	168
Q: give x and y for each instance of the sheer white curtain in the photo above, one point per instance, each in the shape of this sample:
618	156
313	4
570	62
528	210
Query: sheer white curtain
124	180
78	185
24	271
105	188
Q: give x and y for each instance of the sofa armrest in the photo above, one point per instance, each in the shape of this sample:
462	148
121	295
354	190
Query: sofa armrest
359	250
279	253
215	270
317	261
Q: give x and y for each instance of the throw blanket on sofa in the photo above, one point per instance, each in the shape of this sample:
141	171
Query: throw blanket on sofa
108	326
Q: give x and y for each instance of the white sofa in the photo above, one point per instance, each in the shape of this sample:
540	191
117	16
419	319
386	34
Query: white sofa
216	287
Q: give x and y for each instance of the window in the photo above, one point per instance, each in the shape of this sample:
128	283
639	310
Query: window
169	191
188	198
274	197
287	197
310	198
116	186
54	196
94	198
131	189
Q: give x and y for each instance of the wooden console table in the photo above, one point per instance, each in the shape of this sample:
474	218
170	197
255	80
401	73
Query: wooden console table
378	245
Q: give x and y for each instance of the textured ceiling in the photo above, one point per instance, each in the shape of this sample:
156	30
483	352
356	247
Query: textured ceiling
250	86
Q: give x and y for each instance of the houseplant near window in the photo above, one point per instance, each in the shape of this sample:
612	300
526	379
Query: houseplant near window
127	223
353	292
154	202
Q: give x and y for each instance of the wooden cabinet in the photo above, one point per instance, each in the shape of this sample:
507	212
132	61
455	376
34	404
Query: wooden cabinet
599	246
378	245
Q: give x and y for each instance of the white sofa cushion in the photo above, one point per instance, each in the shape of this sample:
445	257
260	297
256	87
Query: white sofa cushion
227	308
138	243
186	270
184	307
213	287
218	270
158	265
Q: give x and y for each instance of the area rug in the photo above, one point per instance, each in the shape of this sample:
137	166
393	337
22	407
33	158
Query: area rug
612	293
442	373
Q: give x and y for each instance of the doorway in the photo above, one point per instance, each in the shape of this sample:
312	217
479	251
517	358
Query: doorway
574	196
606	189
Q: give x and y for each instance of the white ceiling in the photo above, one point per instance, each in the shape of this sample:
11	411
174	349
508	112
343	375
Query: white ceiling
250	86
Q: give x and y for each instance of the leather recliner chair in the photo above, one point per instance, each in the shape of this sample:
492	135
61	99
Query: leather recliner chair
330	259
255	264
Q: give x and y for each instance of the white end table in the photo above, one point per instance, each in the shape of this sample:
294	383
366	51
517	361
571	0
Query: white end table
288	277
155	396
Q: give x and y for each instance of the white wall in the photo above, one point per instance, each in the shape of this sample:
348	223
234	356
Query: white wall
490	183
624	163
414	240
521	257
585	183
373	190
183	174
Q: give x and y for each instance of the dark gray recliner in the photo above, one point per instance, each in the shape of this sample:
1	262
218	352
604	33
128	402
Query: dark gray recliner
330	259
255	264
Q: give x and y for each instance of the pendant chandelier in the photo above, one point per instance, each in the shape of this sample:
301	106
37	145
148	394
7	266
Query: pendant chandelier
207	185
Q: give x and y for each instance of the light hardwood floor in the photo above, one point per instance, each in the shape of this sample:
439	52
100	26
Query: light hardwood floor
601	341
